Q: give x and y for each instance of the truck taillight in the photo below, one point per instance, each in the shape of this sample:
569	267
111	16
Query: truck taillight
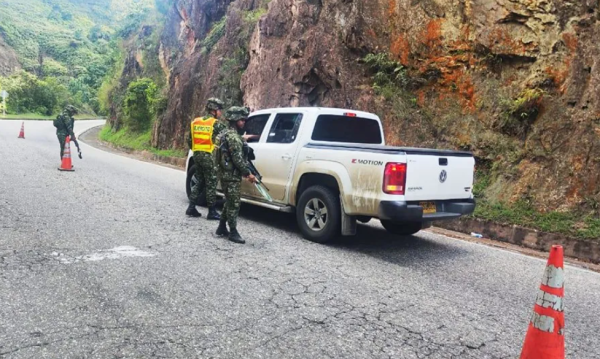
394	178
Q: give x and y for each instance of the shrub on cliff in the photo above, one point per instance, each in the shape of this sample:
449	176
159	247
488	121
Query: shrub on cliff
139	104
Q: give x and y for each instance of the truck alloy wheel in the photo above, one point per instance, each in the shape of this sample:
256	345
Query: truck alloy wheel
315	214
318	214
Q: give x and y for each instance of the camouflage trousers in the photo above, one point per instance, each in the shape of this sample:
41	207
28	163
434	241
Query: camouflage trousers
231	210
62	139
206	174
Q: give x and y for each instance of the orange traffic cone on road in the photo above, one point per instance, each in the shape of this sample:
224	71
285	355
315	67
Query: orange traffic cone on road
66	164
22	133
545	337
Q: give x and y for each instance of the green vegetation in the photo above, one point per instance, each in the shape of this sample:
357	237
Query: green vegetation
254	15
65	46
139	105
527	103
518	114
236	57
391	81
35	116
138	141
215	34
136	99
523	213
389	76
30	94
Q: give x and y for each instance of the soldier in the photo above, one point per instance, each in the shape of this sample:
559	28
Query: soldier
201	140
232	166
64	124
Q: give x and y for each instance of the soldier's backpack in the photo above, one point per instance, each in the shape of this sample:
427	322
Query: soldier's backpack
58	123
221	152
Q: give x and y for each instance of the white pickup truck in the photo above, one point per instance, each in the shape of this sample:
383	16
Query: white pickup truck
331	168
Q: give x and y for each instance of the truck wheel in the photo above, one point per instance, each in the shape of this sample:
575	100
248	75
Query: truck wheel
191	181
318	214
402	228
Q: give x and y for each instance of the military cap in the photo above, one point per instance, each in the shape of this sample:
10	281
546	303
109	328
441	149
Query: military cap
70	109
236	113
214	104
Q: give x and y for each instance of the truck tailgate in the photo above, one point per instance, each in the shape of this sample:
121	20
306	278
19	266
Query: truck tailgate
438	176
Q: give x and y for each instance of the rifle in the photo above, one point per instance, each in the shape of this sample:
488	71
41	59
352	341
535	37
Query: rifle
260	186
77	145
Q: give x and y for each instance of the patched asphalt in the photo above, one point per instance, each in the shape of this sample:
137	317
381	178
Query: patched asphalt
103	263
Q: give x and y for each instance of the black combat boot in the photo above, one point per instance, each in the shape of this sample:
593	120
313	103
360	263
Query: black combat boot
192	211
213	214
234	236
222	230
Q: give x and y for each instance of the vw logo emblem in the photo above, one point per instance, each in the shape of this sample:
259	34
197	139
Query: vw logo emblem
443	176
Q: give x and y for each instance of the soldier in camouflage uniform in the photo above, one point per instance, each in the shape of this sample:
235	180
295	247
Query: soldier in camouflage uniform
64	124
232	166
206	171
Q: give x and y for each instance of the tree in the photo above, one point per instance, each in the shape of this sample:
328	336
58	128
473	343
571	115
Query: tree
139	104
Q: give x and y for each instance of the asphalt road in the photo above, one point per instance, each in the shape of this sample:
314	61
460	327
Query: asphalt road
103	263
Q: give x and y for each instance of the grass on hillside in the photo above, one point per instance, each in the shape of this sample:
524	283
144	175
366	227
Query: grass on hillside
136	141
35	116
569	223
573	224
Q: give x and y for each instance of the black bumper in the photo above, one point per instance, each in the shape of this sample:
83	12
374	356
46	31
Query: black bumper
400	211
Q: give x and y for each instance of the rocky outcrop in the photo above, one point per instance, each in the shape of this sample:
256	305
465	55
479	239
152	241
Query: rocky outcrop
515	81
8	59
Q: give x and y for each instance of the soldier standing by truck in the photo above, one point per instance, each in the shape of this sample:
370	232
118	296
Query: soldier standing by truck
232	165
203	132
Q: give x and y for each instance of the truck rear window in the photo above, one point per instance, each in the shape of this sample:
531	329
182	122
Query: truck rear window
335	128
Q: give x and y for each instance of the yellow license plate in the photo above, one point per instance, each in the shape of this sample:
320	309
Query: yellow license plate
428	207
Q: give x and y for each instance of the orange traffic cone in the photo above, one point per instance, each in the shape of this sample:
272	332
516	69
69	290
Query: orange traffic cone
66	164
545	337
22	133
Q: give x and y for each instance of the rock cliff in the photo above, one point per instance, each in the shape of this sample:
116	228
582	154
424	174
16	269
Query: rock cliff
515	81
8	59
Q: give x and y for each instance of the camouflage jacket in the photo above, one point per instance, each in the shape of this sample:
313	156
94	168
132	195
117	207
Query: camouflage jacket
231	160
218	128
64	124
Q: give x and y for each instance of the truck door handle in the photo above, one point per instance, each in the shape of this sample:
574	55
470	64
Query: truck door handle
286	157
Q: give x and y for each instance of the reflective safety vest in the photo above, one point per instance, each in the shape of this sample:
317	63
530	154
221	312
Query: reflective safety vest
202	133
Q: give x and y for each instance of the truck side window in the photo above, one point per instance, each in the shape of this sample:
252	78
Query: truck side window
335	128
285	128
255	125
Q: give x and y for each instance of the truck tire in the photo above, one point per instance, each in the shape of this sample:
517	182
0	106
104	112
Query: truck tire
318	214
189	182
402	228
364	219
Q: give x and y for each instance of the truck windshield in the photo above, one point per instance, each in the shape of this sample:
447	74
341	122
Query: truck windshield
336	128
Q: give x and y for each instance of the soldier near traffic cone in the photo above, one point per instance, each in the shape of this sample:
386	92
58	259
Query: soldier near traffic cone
66	164
64	124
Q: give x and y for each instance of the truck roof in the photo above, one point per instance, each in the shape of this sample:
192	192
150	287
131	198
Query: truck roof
326	110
